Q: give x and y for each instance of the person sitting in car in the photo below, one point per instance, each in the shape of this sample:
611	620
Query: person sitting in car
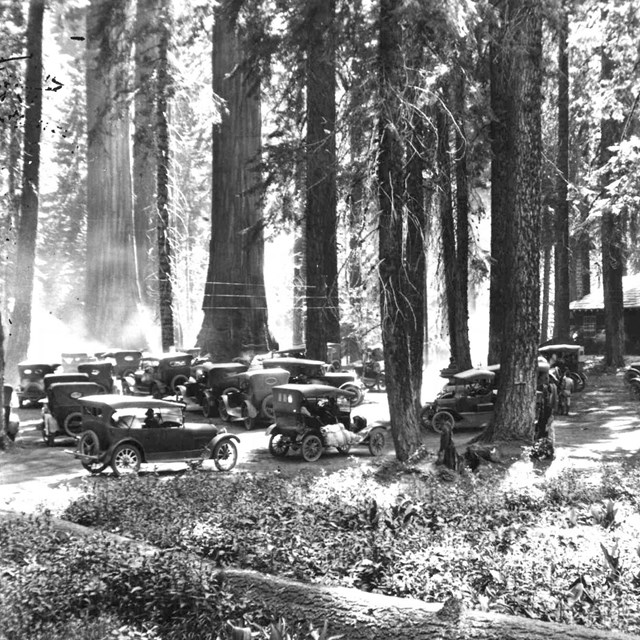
151	420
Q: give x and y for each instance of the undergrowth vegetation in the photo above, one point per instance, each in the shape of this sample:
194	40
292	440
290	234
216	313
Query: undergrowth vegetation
561	548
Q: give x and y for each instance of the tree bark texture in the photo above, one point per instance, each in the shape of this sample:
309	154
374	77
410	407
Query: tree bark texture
500	169
397	315
299	288
613	259
515	405
144	144
22	290
235	304
112	293
323	314
165	293
359	615
4	438
562	297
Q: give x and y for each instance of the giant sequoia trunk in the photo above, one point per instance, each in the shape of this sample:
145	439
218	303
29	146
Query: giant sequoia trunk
323	315
612	242
522	46
112	293
144	143
396	288
235	307
28	224
561	310
165	293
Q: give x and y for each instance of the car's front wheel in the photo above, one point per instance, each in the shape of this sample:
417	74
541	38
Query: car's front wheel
225	455
377	441
311	447
126	459
441	421
89	445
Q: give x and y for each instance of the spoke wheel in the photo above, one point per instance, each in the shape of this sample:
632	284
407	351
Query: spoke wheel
311	447
426	414
89	445
441	421
225	455
278	445
377	441
207	407
126	459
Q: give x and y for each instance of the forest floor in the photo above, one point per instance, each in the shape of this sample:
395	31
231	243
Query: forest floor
603	426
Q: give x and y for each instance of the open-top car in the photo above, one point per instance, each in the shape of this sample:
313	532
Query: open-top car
252	402
11	419
569	357
125	361
159	375
467	400
127	431
304	371
61	413
311	417
31	374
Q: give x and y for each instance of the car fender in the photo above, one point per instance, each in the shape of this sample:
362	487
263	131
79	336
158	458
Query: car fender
271	429
252	412
220	437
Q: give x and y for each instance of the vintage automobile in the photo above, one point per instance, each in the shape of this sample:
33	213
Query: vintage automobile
61	413
31	374
252	402
632	378
303	371
467	400
53	378
125	361
11	418
569	355
371	372
70	361
311	417
101	372
159	375
208	382
126	431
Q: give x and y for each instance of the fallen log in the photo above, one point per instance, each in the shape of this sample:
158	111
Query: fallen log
359	615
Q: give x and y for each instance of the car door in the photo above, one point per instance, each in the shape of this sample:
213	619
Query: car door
170	442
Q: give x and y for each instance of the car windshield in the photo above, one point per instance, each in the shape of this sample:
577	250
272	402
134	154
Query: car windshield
134	417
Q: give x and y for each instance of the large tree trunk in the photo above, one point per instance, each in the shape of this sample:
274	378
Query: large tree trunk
398	320
18	343
4	438
612	241
112	294
515	405
235	304
165	293
323	315
354	614
144	144
499	188
561	308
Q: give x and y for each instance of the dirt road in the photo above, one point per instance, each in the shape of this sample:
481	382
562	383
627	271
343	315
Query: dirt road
604	424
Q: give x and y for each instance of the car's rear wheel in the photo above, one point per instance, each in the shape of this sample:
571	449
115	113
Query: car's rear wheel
89	445
311	447
377	441
72	424
126	459
442	420
247	420
225	455
208	406
278	445
426	414
356	394
176	381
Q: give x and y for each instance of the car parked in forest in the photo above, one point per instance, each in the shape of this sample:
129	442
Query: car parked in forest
570	358
126	431
125	361
159	375
31	375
